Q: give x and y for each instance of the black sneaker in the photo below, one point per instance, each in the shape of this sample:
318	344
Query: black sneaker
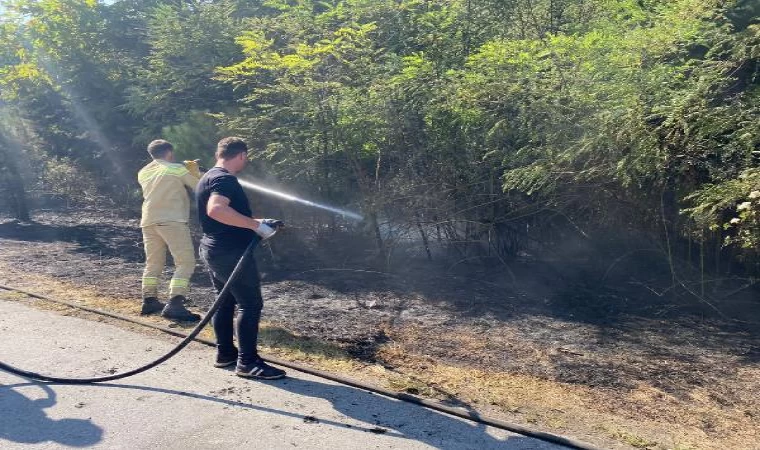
151	305
259	370
224	360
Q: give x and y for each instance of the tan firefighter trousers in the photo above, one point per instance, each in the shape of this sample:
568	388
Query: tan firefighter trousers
157	238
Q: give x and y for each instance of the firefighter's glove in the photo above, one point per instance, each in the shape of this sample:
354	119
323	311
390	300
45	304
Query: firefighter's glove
193	167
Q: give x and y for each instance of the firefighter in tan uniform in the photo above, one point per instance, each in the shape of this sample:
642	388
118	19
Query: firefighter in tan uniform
165	213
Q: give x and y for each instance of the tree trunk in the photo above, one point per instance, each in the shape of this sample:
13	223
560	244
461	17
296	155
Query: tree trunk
424	239
21	207
12	178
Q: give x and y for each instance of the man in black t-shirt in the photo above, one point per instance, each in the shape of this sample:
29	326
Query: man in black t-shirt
228	229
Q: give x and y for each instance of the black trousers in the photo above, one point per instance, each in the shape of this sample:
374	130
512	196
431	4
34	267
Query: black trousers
245	292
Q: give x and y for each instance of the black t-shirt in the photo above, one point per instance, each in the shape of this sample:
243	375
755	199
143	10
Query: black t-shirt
216	234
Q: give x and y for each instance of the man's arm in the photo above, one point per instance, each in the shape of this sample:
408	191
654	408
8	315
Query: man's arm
218	208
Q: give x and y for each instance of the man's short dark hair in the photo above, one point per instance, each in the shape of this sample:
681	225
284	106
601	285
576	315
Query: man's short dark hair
230	147
159	148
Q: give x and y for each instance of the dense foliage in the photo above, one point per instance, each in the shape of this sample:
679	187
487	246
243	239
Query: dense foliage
490	125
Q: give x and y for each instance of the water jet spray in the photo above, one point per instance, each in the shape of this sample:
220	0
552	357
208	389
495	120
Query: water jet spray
293	198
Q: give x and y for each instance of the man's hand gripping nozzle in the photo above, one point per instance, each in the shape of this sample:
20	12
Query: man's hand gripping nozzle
269	227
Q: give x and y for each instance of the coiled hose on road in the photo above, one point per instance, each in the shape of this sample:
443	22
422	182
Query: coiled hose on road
193	335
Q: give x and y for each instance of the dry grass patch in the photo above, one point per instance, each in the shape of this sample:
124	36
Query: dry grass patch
629	438
282	343
641	417
89	297
12	295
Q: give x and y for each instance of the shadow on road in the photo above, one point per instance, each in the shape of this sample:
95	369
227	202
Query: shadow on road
416	424
25	422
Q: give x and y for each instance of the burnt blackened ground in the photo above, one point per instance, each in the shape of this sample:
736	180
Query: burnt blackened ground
554	320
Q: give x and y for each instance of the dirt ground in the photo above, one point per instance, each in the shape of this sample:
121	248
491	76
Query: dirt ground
645	372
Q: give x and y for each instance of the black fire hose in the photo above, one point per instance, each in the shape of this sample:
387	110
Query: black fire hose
247	255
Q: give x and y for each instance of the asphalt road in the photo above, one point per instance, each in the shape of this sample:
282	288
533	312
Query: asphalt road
188	404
